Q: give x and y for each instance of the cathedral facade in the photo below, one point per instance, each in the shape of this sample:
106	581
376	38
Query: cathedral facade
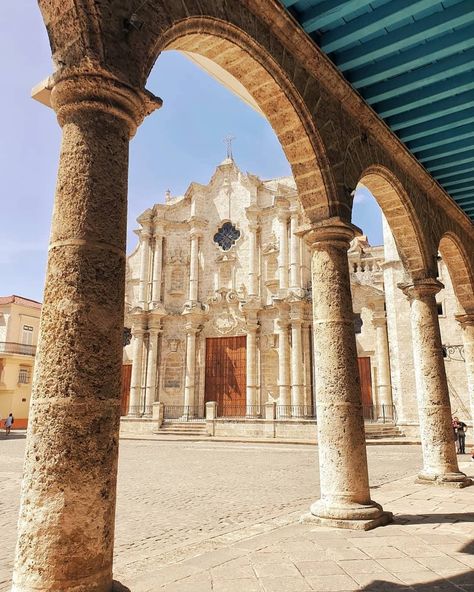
219	309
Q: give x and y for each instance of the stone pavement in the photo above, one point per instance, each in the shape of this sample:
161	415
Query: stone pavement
209	516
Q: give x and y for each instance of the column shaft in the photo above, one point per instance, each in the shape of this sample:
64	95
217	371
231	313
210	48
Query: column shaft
251	361
144	267
440	464
194	268
66	524
136	380
284	366
283	254
295	258
384	387
190	376
297	392
345	494
253	261
151	370
157	265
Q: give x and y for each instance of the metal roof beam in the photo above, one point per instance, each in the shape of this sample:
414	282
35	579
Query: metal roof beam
420	77
330	11
454	147
466	164
444	163
434	125
448	176
438	139
375	21
436	24
426	95
432	111
466	178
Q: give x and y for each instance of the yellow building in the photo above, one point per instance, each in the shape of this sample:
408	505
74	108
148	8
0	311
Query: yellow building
19	326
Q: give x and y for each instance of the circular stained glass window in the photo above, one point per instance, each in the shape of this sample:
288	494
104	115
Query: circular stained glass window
226	236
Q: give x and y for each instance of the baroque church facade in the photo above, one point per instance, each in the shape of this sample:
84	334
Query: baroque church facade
218	306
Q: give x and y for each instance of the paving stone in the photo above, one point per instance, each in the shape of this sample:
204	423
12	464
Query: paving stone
334	583
284	584
319	568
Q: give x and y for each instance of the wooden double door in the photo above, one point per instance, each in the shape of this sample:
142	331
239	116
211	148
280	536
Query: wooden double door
225	377
365	381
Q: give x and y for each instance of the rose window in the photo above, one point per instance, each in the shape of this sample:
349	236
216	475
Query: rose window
226	236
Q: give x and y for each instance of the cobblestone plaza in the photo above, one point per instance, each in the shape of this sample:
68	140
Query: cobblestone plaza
221	511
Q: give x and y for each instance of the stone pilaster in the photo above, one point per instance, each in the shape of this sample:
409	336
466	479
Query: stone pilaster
253	253
196	225
440	464
308	356
192	328
295	256
251	361
384	387
282	328
69	480
467	325
283	214
154	329
157	265
135	407
145	239
345	495
297	365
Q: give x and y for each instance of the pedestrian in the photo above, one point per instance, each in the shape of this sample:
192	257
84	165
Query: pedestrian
460	428
8	423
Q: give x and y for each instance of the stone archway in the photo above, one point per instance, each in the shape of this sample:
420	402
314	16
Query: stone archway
277	99
401	217
460	269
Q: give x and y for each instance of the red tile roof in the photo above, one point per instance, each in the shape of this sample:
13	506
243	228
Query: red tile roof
13	299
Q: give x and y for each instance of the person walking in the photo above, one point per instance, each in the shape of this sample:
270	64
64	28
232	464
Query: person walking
8	424
460	428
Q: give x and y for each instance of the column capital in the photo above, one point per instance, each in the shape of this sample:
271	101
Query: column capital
76	91
192	327
421	288
465	319
332	231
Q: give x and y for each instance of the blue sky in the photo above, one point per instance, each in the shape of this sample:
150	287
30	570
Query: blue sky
180	143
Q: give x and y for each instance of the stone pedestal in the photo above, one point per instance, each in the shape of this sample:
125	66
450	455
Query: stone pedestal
345	495
67	512
440	465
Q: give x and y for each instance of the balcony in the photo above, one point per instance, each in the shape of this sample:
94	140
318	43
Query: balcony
9	347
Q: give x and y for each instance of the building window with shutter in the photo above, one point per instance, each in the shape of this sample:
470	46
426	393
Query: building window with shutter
24	375
27	337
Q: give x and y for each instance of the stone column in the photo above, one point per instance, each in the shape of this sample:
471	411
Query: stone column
297	366
190	375
253	254
284	363
145	236
283	254
251	361
153	333
157	265
295	258
384	387
467	325
194	265
67	511
345	495
308	356
135	407
440	465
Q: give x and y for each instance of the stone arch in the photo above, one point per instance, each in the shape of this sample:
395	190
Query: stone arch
277	98
460	270
402	218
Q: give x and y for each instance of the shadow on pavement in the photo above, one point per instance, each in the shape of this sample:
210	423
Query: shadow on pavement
434	518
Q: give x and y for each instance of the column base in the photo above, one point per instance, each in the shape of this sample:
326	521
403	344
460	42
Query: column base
453	480
384	519
347	515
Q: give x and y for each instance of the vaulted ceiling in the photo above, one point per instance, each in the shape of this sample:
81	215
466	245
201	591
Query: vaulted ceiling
413	62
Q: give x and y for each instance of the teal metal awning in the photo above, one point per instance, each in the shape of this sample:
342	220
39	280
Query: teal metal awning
413	62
